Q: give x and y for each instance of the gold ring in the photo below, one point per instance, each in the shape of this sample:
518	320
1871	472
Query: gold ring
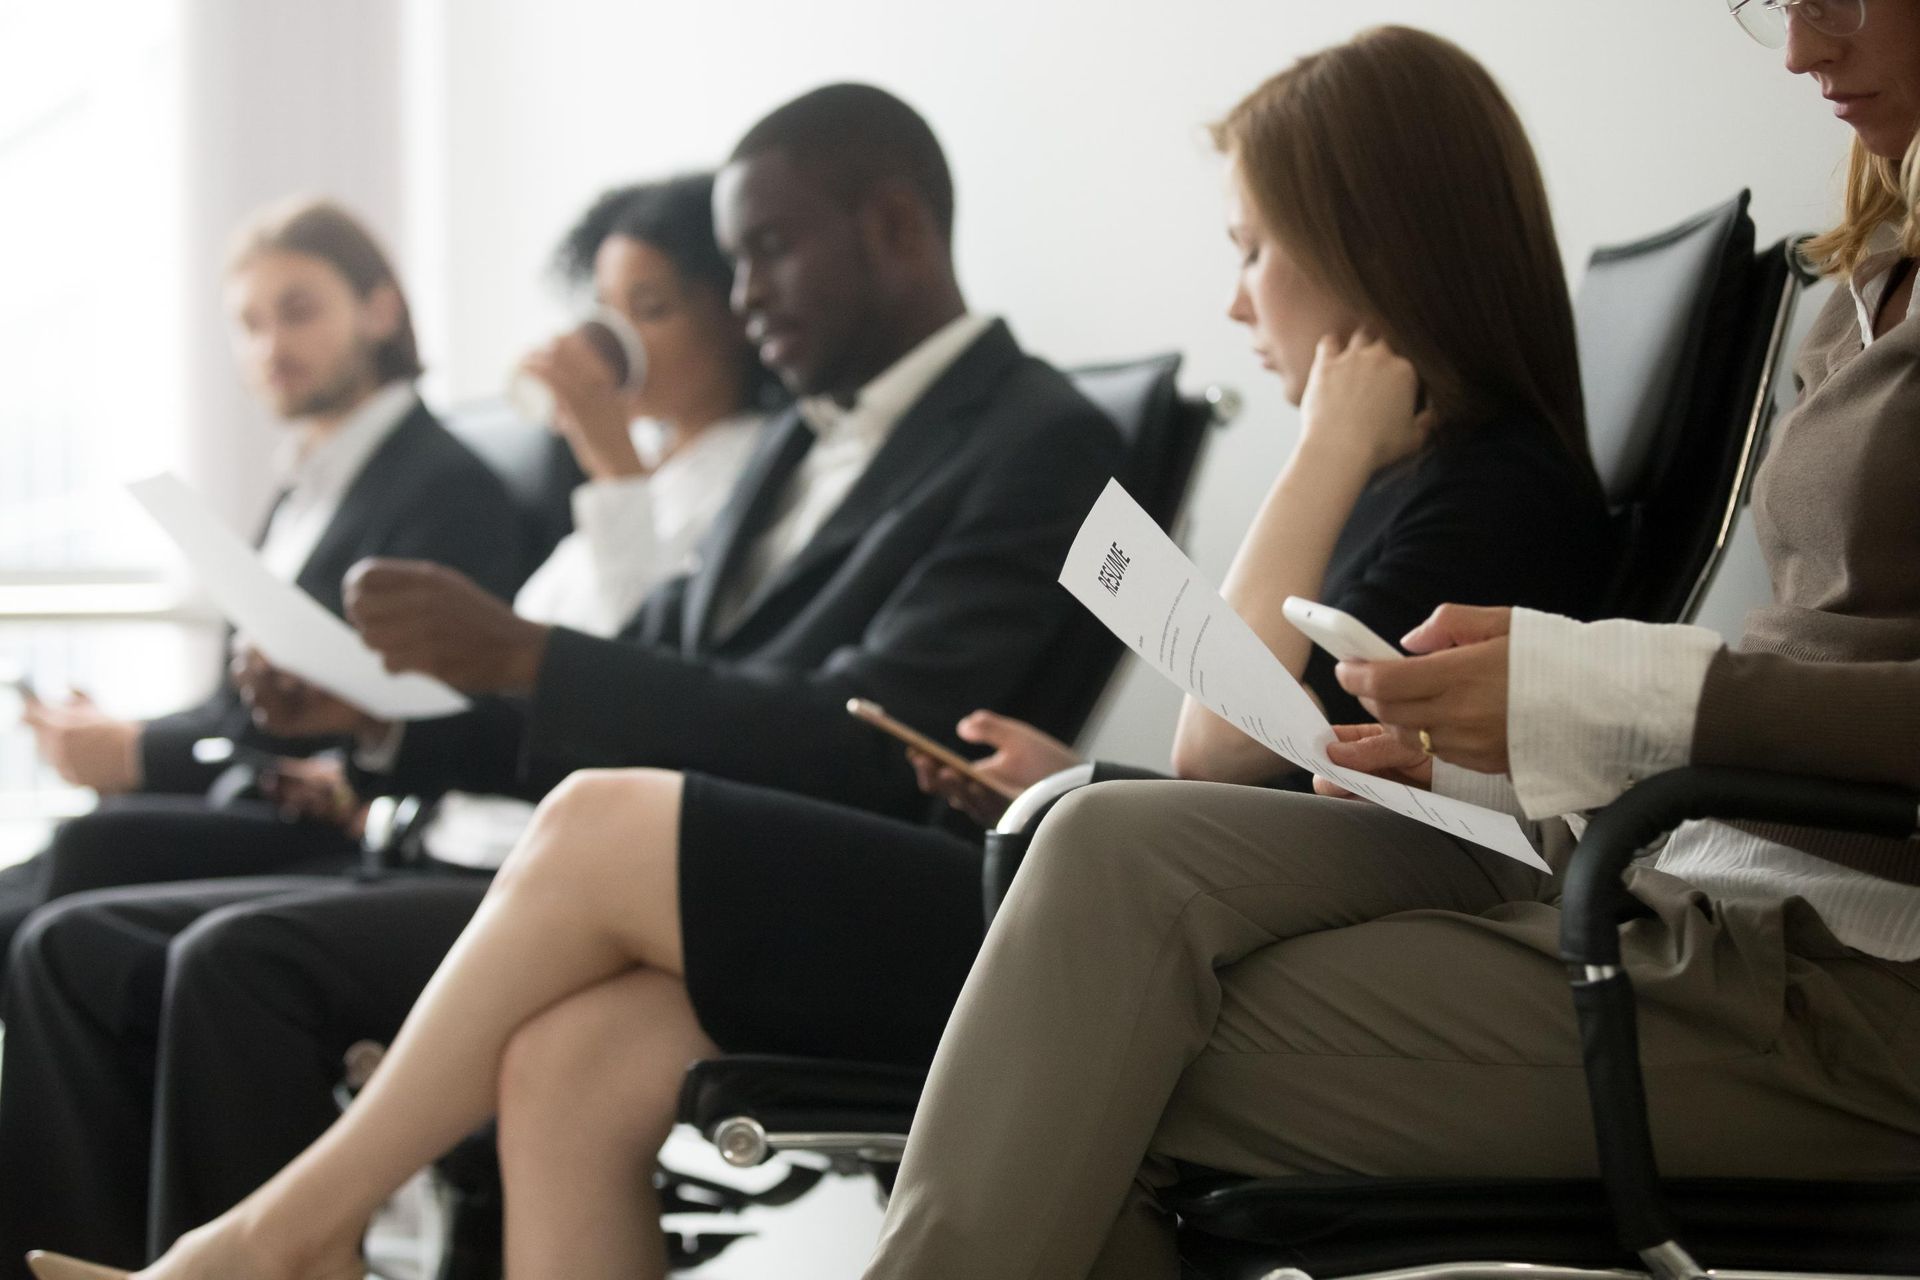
1426	742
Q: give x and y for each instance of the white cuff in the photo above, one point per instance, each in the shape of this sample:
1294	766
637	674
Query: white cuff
1594	706
615	502
384	754
1488	790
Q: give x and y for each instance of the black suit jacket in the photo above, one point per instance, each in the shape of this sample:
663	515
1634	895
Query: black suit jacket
931	589
422	495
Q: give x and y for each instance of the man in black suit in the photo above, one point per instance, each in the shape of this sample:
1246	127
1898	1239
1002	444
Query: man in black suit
323	332
897	539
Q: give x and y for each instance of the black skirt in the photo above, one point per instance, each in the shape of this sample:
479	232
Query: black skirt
819	930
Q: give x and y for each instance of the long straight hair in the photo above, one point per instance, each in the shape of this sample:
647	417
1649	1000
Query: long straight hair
322	229
1396	172
1879	192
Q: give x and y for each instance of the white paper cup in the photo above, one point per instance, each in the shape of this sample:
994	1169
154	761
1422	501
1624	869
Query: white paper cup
613	338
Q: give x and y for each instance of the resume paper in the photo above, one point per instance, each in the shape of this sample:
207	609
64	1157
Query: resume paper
1133	578
290	628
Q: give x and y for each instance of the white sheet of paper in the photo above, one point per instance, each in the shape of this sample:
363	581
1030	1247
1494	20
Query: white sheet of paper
1133	578
289	627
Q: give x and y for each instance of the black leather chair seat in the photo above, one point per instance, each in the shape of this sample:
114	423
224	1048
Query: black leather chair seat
813	1095
1341	1226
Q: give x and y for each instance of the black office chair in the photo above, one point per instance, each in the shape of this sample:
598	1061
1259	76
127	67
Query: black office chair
1355	1228
1165	435
537	466
1681	341
1627	1222
1680	391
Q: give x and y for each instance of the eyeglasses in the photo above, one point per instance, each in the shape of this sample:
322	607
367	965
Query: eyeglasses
1766	20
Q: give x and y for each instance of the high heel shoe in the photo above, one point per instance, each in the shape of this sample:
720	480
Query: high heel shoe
58	1266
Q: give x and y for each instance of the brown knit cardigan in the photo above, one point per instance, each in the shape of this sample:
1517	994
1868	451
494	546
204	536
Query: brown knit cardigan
1827	678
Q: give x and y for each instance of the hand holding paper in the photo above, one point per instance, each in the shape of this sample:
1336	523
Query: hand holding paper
1378	752
1133	578
288	627
1457	691
285	705
425	617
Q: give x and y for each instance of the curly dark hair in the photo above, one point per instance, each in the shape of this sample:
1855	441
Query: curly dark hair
675	216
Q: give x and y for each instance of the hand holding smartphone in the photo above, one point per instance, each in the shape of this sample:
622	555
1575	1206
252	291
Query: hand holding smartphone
875	715
1339	633
14	678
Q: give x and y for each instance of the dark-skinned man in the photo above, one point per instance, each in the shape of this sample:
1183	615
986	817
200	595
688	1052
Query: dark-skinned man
897	539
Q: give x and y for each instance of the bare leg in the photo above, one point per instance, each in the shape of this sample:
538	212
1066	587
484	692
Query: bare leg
591	892
587	1097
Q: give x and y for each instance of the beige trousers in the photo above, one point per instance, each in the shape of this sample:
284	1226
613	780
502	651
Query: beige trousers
1272	984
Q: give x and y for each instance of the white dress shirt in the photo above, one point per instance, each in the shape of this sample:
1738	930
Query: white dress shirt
316	476
630	535
846	440
1873	277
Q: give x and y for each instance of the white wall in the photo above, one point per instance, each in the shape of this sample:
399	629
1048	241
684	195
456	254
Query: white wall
1088	198
276	100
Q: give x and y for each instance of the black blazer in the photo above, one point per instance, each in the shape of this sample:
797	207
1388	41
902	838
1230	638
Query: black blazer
422	495
931	589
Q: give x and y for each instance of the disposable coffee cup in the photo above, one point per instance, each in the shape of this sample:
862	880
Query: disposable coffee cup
612	338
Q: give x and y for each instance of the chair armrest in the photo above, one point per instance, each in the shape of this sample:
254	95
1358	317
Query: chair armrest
1589	932
1024	814
1006	844
1591	910
1031	805
1005	847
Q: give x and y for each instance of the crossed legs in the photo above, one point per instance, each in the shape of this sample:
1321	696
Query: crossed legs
1276	984
562	1001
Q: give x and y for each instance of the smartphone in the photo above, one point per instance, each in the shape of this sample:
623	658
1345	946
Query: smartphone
1340	634
17	680
875	715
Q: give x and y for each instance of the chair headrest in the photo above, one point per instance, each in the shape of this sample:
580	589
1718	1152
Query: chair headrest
1639	317
1134	393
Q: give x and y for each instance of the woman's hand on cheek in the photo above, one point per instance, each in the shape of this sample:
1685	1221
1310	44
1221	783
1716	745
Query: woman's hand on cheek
1359	402
1456	692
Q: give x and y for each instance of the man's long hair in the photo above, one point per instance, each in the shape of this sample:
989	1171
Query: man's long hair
322	229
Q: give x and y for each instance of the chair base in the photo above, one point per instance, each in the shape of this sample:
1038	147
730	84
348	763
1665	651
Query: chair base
1326	1227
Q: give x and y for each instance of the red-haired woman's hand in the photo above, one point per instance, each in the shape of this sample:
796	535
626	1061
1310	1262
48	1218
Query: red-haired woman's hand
1377	750
1023	755
1360	403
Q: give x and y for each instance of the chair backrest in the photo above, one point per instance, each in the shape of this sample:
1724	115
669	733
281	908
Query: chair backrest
536	464
1678	337
1737	578
1164	435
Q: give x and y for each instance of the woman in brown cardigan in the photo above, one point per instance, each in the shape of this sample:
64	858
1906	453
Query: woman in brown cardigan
1278	984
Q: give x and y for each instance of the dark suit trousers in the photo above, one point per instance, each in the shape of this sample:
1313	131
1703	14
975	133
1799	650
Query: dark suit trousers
150	839
231	1002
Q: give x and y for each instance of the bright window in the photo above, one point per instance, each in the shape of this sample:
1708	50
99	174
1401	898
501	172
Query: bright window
91	244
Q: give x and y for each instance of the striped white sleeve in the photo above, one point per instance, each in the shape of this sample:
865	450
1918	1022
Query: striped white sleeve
1594	706
1488	790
